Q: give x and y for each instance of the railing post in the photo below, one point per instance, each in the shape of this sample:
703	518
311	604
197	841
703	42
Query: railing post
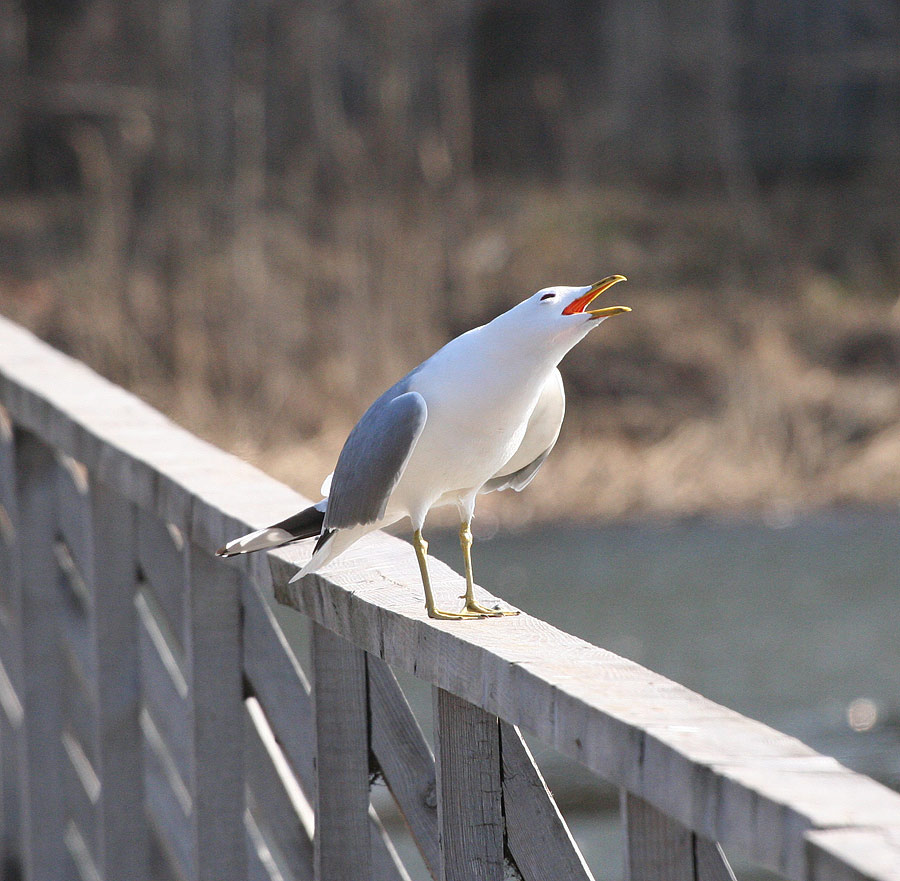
213	654
11	712
657	848
342	838
469	790
44	853
122	845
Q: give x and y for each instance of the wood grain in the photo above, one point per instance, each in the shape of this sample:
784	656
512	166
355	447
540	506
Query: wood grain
342	749
657	848
538	836
469	791
122	846
860	854
405	760
11	710
213	673
41	759
721	775
280	826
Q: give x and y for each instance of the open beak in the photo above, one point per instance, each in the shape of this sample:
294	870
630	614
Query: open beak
581	304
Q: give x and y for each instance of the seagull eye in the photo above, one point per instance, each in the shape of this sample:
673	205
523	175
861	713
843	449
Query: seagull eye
548	297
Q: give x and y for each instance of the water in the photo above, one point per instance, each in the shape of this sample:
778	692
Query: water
795	624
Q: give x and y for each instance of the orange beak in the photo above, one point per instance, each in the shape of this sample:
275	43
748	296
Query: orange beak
581	304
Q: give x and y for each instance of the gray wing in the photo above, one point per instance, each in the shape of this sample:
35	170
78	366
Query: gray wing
373	458
540	437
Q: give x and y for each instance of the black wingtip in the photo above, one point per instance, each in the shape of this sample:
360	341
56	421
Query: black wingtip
222	552
326	534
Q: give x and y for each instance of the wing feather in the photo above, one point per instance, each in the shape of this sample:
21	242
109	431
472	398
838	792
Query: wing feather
374	457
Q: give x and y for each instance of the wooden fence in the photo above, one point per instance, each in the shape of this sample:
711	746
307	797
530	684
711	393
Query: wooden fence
155	722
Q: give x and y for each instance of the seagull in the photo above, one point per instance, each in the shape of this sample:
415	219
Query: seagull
480	415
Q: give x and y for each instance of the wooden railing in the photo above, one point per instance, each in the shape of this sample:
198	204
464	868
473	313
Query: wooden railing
155	721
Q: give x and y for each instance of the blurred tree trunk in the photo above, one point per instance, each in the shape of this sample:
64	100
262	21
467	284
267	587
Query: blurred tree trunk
213	52
12	74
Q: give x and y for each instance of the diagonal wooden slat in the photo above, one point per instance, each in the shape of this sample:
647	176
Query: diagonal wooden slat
279	828
168	803
470	809
284	693
405	760
386	865
712	864
538	836
280	685
160	554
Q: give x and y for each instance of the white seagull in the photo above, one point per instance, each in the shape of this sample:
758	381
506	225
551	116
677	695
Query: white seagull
481	414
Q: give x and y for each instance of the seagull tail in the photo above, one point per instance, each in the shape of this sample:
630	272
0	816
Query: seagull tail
326	549
306	524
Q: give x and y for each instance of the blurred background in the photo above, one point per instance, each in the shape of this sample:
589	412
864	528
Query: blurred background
259	215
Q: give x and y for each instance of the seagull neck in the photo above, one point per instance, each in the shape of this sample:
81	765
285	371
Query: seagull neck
530	349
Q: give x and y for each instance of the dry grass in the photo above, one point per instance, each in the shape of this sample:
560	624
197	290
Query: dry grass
747	379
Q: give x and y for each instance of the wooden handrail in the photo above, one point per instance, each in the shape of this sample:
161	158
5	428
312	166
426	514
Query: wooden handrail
193	680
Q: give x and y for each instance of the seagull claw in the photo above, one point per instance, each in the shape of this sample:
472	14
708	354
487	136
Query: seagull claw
440	615
486	611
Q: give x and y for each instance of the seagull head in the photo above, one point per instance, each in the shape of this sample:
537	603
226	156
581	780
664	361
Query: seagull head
562	314
569	307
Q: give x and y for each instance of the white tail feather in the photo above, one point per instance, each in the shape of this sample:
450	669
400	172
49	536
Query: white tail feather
270	537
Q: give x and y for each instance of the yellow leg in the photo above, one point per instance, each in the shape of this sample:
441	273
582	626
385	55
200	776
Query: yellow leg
472	605
421	547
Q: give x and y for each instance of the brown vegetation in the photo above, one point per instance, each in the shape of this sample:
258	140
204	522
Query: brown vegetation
742	381
259	219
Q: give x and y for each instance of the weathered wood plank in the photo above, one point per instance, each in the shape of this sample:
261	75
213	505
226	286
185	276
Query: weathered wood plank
405	760
280	685
11	711
706	767
283	691
122	847
10	750
861	854
470	797
8	511
80	793
214	669
280	828
168	803
689	757
712	864
342	848
74	523
161	557
41	764
260	866
537	834
657	848
386	865
165	694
